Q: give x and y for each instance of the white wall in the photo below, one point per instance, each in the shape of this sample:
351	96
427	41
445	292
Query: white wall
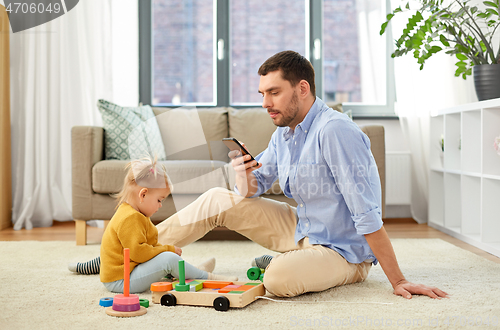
395	142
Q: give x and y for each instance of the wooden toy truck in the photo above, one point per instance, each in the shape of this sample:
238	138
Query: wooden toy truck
219	294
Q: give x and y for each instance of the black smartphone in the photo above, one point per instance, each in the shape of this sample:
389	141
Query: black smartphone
234	144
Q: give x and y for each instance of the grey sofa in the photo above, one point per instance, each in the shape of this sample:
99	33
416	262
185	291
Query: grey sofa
194	165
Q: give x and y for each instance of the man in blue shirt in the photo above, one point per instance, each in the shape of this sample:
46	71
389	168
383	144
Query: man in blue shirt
323	161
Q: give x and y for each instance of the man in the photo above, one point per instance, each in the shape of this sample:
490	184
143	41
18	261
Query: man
323	161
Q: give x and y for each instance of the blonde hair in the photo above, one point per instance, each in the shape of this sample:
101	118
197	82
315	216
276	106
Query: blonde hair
145	173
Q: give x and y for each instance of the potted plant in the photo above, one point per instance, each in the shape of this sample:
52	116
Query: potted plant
460	29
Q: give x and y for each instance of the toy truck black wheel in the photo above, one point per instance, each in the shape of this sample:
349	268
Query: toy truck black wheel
168	300
221	304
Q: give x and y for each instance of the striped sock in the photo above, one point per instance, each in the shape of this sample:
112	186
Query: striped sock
90	267
262	261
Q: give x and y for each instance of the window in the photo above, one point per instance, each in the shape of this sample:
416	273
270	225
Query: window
207	52
260	29
183	66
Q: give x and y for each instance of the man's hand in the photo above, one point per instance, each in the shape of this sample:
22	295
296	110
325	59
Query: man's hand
178	250
240	163
382	248
245	180
406	289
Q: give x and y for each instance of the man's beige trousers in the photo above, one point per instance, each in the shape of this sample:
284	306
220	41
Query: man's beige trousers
300	268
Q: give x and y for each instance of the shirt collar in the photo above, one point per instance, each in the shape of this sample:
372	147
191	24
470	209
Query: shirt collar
306	122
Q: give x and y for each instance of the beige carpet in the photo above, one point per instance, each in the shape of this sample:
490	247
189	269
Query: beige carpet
38	292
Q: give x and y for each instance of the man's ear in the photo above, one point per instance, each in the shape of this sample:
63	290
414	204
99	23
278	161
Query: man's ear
142	194
305	88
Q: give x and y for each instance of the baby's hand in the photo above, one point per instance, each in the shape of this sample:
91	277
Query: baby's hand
178	250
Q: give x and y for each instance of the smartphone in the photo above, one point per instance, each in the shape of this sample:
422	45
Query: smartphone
234	144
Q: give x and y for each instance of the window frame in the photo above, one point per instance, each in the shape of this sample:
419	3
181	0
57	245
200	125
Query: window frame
222	70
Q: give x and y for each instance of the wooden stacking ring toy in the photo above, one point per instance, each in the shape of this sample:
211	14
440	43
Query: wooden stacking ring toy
126	304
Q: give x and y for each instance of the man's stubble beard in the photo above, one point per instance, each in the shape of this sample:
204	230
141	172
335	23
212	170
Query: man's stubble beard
290	113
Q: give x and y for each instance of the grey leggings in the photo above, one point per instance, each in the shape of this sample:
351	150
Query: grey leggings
153	270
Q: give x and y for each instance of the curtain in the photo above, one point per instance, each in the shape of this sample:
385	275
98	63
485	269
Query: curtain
418	93
5	164
371	45
58	71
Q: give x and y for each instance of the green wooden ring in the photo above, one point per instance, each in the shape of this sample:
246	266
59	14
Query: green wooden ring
144	303
253	273
182	287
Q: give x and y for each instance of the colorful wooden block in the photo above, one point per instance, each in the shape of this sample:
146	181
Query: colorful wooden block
237	292
195	286
245	287
229	288
216	284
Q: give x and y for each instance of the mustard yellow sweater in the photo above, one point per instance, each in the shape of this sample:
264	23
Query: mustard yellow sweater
128	228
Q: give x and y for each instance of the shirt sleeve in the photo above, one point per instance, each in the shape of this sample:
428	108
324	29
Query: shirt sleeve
132	234
268	172
346	149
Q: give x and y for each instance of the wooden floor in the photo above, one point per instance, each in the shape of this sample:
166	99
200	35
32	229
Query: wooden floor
396	228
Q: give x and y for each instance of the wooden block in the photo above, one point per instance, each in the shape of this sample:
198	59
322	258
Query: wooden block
198	284
216	284
195	285
246	287
229	288
252	283
237	292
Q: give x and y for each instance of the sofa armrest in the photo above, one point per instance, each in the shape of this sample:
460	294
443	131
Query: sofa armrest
87	148
376	134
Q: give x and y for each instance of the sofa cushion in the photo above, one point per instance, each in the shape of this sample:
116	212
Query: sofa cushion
193	133
187	176
253	127
130	132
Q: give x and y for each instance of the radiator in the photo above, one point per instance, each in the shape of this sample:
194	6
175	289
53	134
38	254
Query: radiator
398	178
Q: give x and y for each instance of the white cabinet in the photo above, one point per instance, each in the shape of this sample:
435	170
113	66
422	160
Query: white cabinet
464	179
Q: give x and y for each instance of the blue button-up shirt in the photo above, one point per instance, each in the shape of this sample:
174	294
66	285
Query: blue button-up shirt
326	166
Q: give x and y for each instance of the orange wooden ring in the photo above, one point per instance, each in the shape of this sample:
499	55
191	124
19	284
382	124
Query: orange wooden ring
161	286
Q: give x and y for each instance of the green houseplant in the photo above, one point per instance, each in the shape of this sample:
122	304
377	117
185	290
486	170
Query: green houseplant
457	27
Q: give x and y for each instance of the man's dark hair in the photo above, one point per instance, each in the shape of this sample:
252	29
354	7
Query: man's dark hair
294	68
